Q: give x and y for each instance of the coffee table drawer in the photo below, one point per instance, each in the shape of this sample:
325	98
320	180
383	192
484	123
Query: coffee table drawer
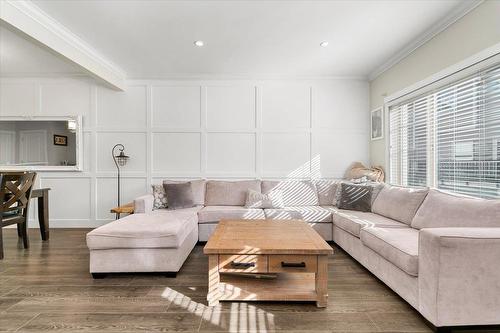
248	263
293	263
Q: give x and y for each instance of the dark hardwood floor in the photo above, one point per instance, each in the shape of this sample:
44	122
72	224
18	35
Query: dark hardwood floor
48	288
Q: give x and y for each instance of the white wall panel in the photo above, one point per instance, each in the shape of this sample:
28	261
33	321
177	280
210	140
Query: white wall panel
135	147
88	152
335	151
176	153
231	107
65	99
197	129
18	98
176	106
341	105
231	153
70	198
286	106
106	194
286	154
121	109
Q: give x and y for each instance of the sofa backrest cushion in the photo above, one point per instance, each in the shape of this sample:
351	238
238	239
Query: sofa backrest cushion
295	192
229	193
327	191
399	203
197	186
443	210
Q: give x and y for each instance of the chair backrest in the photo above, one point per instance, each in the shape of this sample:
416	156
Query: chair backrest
15	192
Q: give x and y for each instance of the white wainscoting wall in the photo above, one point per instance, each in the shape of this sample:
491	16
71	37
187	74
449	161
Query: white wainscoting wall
224	129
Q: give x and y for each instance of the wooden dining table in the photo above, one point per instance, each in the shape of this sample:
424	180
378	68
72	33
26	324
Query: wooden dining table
42	194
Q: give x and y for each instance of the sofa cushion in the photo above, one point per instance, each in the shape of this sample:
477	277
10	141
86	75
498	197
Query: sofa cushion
229	193
442	210
161	229
399	203
197	186
327	191
397	245
210	214
295	192
353	221
307	213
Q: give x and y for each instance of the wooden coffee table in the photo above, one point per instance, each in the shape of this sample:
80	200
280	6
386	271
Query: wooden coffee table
267	260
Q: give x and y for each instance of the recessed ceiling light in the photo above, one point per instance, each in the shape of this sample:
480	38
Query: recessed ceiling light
199	43
323	44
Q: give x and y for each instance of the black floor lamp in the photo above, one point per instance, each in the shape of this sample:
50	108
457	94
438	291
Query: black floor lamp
120	160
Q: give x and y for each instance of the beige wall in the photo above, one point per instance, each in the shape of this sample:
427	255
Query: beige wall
474	32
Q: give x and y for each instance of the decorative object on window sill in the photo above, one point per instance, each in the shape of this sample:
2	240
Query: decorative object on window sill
357	170
120	160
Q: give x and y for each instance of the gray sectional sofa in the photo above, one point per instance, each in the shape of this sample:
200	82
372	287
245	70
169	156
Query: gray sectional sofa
440	252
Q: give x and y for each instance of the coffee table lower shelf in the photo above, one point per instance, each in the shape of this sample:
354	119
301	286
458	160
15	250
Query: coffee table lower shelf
285	287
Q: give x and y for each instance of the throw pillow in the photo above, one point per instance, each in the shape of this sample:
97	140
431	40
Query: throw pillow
179	195
376	188
355	197
273	199
159	197
197	186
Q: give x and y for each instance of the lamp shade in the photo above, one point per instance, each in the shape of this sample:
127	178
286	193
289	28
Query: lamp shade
121	158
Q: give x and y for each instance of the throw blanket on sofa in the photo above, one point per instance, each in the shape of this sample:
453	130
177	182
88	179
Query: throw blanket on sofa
358	170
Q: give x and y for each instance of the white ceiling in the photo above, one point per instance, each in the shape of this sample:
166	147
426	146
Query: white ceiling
22	56
154	39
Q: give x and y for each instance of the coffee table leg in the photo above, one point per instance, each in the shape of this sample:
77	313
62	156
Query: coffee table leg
213	295
322	282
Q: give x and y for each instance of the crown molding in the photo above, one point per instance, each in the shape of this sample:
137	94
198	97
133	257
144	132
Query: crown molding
33	75
430	33
244	76
27	18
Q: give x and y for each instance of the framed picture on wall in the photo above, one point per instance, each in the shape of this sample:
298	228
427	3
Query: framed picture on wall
377	124
60	140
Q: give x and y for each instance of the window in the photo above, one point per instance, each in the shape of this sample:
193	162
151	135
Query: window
449	138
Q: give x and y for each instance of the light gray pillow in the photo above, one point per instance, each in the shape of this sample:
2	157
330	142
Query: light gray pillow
273	199
327	191
179	195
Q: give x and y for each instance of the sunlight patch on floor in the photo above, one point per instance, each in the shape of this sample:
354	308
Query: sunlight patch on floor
242	316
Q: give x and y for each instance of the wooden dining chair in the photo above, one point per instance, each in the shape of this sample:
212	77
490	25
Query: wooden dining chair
15	194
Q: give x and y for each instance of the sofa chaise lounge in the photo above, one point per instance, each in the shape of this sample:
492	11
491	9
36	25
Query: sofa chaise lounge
440	252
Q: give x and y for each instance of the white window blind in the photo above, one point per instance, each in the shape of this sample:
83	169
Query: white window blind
449	138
